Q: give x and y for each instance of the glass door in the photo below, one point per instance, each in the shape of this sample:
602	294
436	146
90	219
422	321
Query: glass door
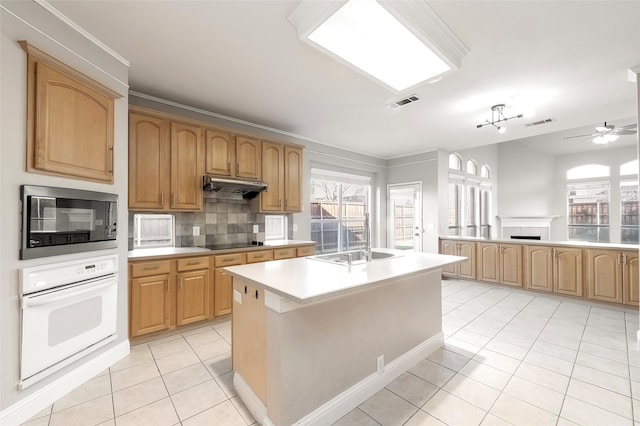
405	216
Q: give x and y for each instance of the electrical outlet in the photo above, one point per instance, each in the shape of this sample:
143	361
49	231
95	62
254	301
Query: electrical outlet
196	230
256	229
380	363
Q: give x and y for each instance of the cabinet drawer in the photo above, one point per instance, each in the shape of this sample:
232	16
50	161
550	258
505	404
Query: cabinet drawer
193	263
229	259
145	269
259	256
284	253
306	251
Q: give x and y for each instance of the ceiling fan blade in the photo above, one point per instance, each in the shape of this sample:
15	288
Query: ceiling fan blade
580	136
626	132
630	126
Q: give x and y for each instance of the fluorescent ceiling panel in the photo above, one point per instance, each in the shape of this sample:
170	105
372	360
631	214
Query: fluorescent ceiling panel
368	37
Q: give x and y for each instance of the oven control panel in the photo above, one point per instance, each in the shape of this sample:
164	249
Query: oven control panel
44	277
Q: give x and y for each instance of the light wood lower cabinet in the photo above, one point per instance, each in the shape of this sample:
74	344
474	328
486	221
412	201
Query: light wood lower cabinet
249	337
193	297
150	297
613	276
466	269
499	263
554	269
223	282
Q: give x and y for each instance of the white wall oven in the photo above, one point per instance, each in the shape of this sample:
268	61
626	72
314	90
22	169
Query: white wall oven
68	310
59	221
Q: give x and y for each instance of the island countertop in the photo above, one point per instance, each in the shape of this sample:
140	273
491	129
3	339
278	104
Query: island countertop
305	280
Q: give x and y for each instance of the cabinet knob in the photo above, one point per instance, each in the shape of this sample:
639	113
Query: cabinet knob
245	289
256	294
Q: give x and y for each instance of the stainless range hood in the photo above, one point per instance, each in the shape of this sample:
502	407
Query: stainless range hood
247	188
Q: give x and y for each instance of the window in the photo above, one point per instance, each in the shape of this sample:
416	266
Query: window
630	168
588	211
455	162
588	171
485	209
339	202
455	204
472	168
472	208
629	212
153	230
485	172
275	227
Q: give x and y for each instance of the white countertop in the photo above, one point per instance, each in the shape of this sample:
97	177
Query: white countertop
305	280
176	251
580	244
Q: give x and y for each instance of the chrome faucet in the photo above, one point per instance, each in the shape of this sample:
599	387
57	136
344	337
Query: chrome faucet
367	238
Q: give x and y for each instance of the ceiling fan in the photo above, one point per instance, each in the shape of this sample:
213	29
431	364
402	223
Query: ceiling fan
608	133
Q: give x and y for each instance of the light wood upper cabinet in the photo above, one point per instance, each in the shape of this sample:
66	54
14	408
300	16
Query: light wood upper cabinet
149	154
272	200
282	170
292	179
220	153
70	120
186	167
248	164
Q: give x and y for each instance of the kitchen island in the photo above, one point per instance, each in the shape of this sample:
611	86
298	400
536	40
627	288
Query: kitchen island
314	339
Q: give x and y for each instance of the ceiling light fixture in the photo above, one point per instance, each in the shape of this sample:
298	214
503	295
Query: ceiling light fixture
605	139
497	116
399	44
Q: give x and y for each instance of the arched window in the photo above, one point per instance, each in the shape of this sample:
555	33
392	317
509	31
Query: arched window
485	172
588	171
630	168
472	168
455	162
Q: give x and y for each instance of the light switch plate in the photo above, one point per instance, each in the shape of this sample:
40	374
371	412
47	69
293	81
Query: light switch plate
196	230
256	229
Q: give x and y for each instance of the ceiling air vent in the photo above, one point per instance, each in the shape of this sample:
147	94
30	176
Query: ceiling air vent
538	123
403	102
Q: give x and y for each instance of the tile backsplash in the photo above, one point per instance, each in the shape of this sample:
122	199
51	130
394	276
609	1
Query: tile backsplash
221	221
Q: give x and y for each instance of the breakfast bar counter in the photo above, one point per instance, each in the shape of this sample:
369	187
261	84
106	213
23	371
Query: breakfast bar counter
312	339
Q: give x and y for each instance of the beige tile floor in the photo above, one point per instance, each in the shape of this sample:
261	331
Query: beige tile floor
510	358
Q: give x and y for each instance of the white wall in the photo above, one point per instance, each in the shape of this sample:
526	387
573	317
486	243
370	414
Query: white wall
29	21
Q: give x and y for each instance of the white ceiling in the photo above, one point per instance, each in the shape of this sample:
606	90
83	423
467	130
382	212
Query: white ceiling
566	60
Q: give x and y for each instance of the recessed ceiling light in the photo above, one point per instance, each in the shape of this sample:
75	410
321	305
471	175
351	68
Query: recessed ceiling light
400	44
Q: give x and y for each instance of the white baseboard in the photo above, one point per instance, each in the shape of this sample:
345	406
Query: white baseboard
30	405
342	404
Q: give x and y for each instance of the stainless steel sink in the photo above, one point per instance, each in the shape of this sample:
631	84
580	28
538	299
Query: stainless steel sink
353	257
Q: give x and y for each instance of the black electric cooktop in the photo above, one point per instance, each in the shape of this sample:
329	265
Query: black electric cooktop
233	245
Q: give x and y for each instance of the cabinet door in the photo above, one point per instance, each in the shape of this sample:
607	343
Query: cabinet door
186	167
150	307
219	153
538	268
292	179
249	337
568	271
248	158
222	299
148	163
511	264
192	297
605	275
631	291
467	269
488	263
73	127
449	248
271	200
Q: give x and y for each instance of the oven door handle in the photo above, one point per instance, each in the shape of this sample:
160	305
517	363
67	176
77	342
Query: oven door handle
44	299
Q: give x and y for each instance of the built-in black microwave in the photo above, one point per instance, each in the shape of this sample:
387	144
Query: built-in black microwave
59	221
